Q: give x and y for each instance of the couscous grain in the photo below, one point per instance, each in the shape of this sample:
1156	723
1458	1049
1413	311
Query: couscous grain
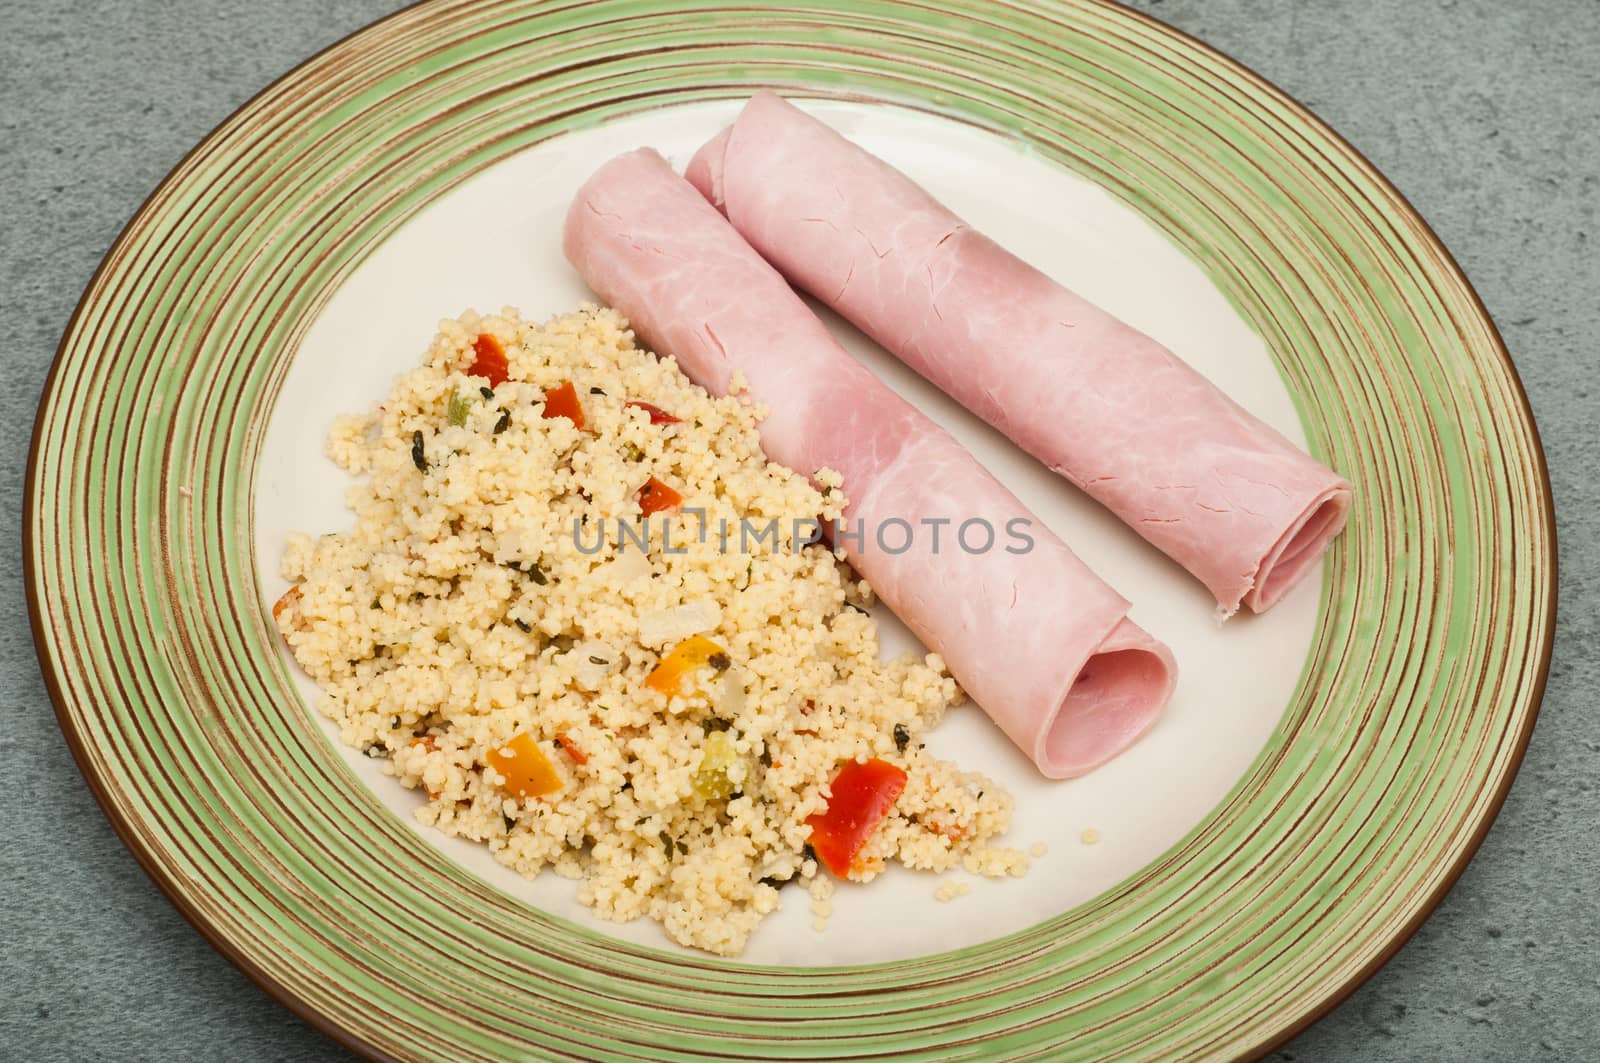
528	623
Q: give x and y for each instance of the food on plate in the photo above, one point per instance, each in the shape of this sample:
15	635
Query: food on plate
651	714
1105	406
1042	644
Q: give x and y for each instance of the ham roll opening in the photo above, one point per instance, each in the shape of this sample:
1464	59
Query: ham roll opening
1103	405
1034	637
1115	696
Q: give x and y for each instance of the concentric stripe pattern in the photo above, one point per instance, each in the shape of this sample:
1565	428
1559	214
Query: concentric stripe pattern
1407	726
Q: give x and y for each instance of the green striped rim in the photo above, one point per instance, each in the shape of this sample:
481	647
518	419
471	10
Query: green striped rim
1409	722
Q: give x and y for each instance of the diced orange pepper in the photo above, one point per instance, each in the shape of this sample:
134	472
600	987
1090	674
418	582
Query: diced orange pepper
527	771
656	496
954	831
572	749
563	401
692	653
489	360
290	599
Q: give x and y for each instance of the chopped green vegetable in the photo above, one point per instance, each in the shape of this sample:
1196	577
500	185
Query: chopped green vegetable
460	408
711	780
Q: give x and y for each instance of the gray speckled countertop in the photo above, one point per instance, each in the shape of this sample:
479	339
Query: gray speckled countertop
1485	113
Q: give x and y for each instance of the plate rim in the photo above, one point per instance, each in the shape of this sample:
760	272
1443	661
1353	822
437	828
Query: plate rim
308	1013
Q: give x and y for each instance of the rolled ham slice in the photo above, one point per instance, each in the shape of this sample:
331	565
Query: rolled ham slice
1107	407
1037	640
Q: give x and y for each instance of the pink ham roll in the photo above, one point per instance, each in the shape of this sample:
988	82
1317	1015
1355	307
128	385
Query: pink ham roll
1039	641
1100	403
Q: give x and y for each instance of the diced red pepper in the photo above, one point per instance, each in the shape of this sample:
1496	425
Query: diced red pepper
489	361
657	414
563	401
656	496
862	796
572	749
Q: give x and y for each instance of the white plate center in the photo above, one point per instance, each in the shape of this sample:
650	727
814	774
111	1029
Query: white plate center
495	241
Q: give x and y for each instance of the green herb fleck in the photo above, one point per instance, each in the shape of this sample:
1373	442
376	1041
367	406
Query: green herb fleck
598	660
503	423
596	391
666	843
419	456
522	626
719	662
487	393
510	823
715	723
902	737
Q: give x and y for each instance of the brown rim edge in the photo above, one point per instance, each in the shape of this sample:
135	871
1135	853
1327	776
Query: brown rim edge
1546	652
312	1017
275	989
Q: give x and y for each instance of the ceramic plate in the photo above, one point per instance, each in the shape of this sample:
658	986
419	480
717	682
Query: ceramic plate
1320	779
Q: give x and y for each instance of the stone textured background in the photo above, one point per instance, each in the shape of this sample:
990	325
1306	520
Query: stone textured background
1486	114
